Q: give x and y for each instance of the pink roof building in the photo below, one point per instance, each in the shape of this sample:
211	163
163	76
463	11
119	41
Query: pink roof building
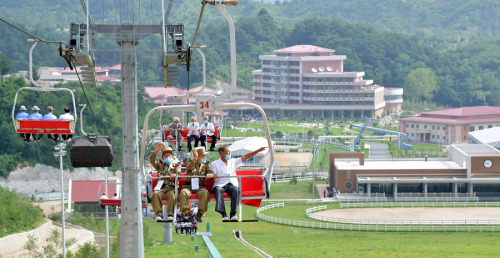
159	93
449	125
88	190
306	81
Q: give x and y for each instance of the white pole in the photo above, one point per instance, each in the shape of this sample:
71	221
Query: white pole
107	218
61	153
70	184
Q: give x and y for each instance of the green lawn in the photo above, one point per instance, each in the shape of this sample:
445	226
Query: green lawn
323	155
287	241
301	190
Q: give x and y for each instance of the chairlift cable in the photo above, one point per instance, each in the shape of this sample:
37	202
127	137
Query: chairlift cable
88	102
27	33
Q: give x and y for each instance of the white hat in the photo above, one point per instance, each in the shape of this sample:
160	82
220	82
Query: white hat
23	108
35	108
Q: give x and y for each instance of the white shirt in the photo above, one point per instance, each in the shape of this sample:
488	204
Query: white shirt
218	167
103	197
209	126
66	117
193	126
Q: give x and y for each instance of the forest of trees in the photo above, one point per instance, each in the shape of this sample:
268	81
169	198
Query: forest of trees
105	102
440	53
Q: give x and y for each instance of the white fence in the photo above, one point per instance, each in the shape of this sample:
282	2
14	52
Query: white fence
436	199
418	204
48	196
479	226
311	214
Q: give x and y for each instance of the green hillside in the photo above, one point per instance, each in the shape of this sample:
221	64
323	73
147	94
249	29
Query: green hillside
17	214
105	102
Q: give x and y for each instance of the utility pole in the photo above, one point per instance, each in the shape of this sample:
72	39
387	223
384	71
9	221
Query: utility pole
315	149
60	152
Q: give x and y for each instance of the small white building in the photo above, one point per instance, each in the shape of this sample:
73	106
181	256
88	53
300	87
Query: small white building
244	146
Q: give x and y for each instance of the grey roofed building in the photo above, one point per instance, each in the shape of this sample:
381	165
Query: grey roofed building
489	136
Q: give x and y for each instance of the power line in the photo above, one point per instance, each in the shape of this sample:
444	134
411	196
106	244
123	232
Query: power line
88	102
27	33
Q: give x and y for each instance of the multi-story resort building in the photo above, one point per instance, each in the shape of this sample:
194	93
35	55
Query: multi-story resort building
449	125
307	81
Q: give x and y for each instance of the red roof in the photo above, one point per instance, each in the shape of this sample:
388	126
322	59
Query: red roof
216	113
155	92
209	90
107	79
88	190
116	67
464	112
303	49
462	115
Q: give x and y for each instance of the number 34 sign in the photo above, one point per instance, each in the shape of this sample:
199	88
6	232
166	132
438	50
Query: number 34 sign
204	105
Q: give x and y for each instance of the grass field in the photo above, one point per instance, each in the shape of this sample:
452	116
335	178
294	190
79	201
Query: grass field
288	241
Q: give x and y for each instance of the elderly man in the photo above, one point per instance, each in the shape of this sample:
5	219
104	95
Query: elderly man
199	166
67	116
23	115
167	171
207	130
224	170
36	116
175	130
193	132
51	117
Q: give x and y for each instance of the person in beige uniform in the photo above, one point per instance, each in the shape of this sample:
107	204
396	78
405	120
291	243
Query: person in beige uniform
199	166
167	169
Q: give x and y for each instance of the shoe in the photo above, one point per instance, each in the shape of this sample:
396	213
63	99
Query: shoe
212	150
170	218
159	217
179	149
225	218
233	218
187	218
198	217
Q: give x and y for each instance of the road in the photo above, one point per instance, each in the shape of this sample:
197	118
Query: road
378	150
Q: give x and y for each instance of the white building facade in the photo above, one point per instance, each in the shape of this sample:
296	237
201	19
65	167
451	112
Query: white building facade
306	81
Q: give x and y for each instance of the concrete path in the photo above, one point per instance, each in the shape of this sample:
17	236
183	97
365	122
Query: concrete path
378	150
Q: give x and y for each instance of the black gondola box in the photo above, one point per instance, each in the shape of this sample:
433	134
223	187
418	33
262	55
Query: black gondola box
92	151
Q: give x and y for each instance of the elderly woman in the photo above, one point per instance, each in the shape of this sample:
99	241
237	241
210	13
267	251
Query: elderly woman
175	130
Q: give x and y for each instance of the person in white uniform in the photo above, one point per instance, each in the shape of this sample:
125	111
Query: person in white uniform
224	170
193	132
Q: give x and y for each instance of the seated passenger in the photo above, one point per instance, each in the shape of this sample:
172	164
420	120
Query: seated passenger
23	116
207	130
36	116
199	166
166	185
103	197
175	130
193	132
51	117
224	170
66	117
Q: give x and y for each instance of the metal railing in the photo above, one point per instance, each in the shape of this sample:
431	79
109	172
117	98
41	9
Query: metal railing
436	199
479	226
419	205
311	214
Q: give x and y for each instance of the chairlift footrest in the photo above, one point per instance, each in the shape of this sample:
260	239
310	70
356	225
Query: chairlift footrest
244	220
164	221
